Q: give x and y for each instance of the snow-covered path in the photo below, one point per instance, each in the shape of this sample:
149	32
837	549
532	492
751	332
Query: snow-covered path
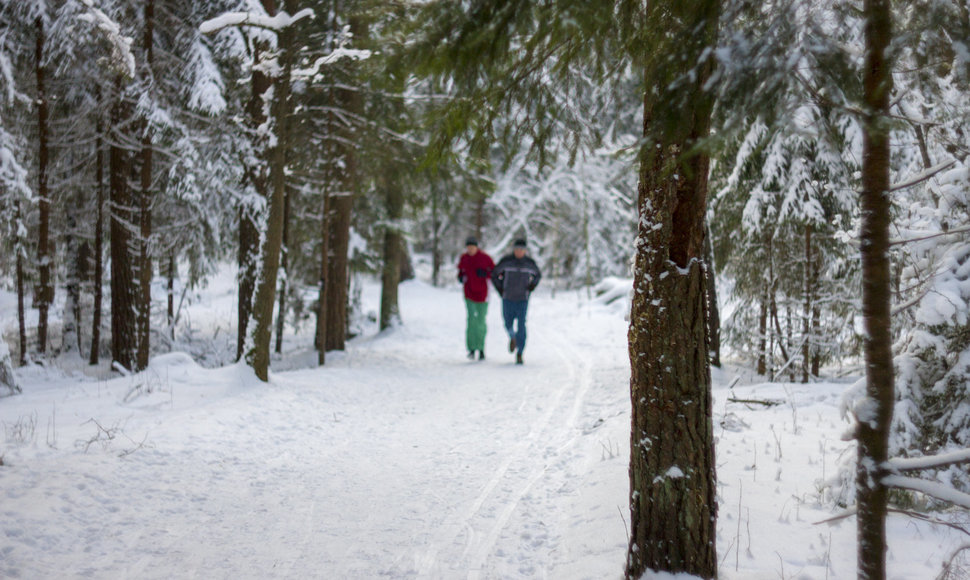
402	459
399	459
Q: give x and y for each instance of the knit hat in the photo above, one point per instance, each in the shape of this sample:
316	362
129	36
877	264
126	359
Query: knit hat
471	241
519	243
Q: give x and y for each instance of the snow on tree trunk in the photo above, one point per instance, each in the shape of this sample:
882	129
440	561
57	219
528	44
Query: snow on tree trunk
8	381
874	412
672	472
248	250
265	298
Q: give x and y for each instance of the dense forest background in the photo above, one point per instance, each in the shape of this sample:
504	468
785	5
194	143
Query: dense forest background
145	142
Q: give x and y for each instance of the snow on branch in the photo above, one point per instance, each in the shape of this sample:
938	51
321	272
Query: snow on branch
121	56
930	461
932	489
921	177
331	58
229	19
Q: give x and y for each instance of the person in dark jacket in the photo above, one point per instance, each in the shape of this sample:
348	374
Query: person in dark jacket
474	269
515	277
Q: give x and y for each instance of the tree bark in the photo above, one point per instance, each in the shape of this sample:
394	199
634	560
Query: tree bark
124	297
21	313
672	471
45	288
145	206
285	249
341	215
875	416
322	306
710	296
247	258
391	275
258	357
98	243
763	335
170	294
807	338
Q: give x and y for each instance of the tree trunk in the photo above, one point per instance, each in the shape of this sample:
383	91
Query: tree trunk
480	216
672	472
71	336
265	299
435	242
393	243
45	288
124	336
285	249
98	243
145	206
21	313
247	258
170	292
807	338
875	416
763	335
710	296
341	214
322	306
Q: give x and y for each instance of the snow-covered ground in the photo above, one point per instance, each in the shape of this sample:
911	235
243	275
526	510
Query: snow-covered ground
402	459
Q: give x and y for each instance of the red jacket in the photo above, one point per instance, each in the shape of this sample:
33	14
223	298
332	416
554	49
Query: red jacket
474	272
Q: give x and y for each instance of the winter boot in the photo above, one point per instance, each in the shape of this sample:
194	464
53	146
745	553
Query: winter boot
518	358
512	344
471	355
481	355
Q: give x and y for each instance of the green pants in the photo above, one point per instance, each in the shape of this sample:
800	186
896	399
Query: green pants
475	334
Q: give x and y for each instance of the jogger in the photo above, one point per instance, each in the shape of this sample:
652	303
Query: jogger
515	277
474	269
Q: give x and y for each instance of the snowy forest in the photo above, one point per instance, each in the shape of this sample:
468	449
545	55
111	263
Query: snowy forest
776	192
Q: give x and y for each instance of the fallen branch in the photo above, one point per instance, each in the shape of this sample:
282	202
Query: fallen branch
765	402
930	461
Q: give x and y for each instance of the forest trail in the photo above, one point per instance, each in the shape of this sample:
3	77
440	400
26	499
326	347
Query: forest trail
399	459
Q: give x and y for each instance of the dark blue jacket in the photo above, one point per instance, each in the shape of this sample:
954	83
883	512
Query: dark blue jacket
515	278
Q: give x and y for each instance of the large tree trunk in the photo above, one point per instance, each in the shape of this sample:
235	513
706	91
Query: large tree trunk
124	297
248	251
393	244
265	299
875	416
145	206
710	296
98	243
672	472
45	288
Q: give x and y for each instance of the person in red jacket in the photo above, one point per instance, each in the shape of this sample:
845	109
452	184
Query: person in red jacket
474	269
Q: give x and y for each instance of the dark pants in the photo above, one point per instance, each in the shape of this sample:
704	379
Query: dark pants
514	310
